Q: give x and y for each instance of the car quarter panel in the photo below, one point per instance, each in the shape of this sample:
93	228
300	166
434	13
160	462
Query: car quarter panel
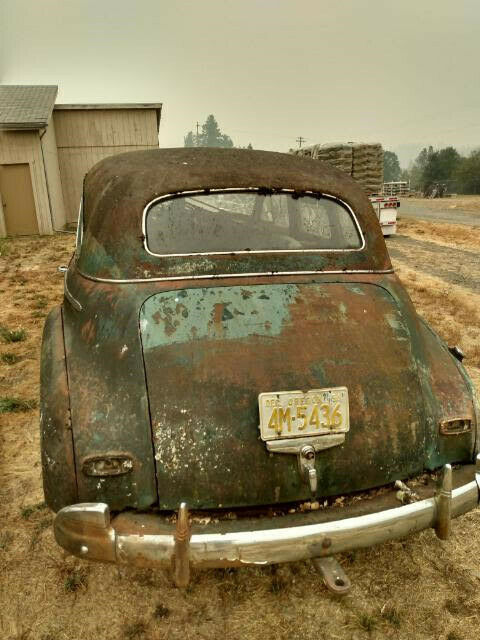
109	403
59	480
455	399
448	392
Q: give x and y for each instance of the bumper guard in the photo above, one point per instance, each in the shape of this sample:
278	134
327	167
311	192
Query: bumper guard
87	531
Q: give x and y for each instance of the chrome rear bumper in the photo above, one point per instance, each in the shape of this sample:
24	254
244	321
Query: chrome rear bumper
86	530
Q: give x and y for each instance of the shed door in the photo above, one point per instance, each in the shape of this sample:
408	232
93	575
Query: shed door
17	200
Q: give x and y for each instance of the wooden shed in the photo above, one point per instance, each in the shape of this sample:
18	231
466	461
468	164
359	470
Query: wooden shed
87	133
31	196
46	149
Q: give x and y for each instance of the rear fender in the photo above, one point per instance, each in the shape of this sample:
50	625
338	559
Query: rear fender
58	462
455	398
448	392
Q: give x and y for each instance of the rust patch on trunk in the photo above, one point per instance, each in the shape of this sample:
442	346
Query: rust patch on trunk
169	325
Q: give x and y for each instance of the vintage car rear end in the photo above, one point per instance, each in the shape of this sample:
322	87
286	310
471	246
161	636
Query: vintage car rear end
234	342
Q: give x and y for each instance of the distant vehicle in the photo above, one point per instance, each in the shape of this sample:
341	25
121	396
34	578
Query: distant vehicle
385	208
436	190
233	352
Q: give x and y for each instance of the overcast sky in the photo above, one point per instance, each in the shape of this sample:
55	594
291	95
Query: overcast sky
400	72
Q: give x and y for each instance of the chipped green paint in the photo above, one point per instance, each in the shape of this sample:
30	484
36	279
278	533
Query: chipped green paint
358	290
401	331
96	260
229	313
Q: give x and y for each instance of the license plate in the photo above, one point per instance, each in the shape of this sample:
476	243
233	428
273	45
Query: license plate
295	414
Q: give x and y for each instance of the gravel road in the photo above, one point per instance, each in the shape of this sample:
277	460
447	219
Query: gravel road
455	266
447	214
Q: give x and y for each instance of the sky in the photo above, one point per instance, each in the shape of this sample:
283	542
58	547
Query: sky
405	74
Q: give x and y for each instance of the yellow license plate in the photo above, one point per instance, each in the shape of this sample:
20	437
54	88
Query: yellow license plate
293	414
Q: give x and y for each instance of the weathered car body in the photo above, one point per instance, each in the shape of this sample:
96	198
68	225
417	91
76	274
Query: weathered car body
153	366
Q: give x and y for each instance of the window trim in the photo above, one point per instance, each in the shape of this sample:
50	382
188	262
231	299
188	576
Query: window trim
79	231
207	191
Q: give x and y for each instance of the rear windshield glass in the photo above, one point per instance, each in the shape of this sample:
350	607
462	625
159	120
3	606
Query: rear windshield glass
222	222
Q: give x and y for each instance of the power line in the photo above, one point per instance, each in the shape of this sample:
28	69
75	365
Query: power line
263	133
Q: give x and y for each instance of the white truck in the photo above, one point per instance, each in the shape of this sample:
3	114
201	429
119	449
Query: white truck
385	208
364	163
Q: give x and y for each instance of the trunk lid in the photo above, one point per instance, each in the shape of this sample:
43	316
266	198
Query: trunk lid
209	352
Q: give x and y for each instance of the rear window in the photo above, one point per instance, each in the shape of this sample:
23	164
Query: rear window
238	220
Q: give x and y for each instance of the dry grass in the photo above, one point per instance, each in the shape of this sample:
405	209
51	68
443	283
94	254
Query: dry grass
452	311
417	588
443	233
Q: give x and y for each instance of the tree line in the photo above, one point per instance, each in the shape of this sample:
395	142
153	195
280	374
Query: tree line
209	136
437	167
432	168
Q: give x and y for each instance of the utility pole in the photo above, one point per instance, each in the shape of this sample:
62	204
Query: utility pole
300	140
196	139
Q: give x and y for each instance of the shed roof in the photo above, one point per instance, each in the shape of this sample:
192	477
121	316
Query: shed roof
26	106
110	105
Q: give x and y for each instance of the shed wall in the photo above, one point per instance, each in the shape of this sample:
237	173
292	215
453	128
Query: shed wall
50	158
24	147
85	137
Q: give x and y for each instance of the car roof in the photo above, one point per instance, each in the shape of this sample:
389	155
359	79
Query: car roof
118	188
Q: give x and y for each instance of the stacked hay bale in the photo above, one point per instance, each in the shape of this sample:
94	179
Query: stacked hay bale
368	166
362	161
339	154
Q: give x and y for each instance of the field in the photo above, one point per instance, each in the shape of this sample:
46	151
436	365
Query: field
418	588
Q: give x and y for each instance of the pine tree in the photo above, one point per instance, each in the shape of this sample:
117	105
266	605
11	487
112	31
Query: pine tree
190	140
210	136
391	167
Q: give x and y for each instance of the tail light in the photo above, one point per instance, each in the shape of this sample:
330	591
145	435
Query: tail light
107	465
455	427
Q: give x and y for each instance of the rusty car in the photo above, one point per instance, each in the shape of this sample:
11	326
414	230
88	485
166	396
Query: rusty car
236	375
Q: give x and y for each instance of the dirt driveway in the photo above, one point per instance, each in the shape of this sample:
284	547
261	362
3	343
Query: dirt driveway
418	588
